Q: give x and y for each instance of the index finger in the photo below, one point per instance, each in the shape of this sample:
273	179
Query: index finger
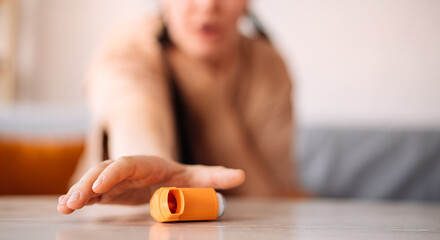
80	193
138	171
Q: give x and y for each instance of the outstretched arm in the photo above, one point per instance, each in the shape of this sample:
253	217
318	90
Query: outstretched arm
129	97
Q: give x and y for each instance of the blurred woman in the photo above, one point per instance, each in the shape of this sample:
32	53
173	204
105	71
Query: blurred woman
186	100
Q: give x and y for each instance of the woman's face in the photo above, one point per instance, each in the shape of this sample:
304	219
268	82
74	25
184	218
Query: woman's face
204	28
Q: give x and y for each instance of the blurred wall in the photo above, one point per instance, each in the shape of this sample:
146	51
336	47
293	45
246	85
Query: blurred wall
361	62
57	39
368	62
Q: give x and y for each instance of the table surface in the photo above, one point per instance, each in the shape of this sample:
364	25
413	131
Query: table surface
36	218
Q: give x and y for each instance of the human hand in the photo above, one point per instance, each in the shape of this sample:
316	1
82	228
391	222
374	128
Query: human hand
131	180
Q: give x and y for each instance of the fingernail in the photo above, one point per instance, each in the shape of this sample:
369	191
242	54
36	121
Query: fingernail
75	196
64	200
60	199
97	182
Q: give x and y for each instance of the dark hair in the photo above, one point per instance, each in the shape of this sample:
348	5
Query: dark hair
258	26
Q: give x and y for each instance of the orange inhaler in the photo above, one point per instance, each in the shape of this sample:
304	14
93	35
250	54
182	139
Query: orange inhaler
171	204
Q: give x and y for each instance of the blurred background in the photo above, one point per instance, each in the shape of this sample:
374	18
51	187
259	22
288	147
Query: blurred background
367	90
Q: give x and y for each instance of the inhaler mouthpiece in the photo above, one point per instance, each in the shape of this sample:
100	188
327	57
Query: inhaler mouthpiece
171	204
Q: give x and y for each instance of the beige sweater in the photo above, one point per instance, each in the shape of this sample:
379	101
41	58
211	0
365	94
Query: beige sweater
129	67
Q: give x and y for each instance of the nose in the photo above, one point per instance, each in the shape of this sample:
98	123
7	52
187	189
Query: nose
207	5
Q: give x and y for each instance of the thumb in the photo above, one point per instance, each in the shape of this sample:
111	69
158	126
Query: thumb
214	176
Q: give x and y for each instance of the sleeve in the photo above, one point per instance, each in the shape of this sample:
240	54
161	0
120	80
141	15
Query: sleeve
127	63
126	83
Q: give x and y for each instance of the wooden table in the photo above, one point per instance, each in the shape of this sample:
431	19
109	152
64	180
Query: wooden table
36	218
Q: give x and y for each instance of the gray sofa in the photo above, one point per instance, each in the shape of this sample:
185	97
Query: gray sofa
391	163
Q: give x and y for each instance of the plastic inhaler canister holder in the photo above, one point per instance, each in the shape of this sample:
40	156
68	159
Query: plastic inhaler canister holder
171	204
